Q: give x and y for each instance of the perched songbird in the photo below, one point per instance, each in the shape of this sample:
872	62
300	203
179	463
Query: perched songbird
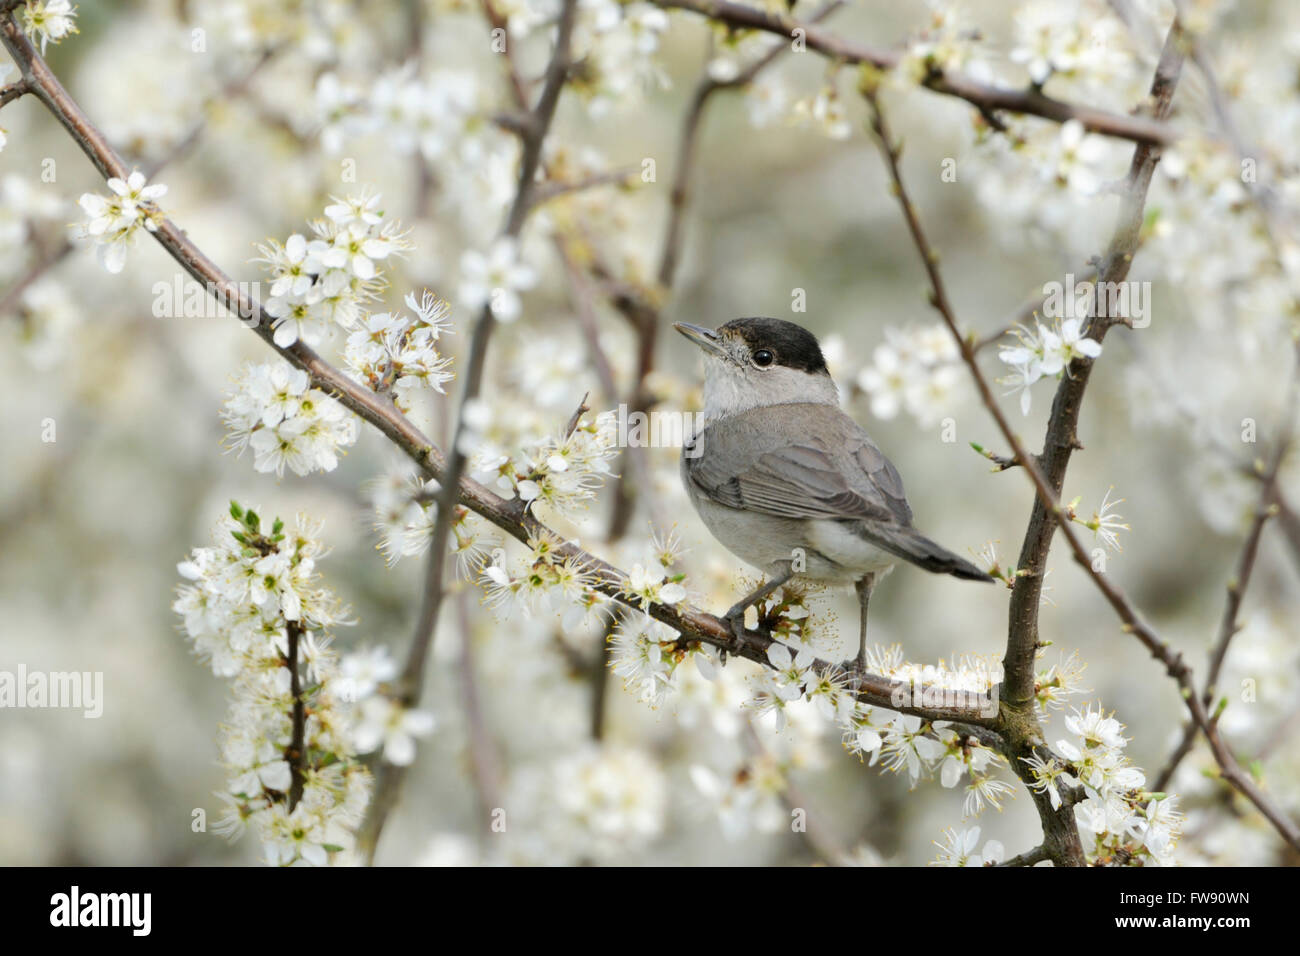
787	481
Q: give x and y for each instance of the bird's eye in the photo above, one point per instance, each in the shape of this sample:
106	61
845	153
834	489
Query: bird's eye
763	358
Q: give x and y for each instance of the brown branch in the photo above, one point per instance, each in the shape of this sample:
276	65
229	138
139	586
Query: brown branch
9	301
410	683
510	516
1265	508
484	756
987	99
644	317
1019	723
600	666
517	86
554	189
704	90
297	752
412	675
1062	429
11	92
1037	855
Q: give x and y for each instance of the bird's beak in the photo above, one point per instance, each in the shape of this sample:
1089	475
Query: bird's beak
706	339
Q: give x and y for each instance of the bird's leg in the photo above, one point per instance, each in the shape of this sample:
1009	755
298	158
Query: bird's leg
735	617
864	588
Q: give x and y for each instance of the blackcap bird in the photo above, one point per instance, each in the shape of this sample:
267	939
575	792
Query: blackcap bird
788	482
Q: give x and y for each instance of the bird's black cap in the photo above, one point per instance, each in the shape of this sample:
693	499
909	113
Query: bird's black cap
793	345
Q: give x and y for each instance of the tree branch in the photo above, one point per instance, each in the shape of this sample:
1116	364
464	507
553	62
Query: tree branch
1019	723
1267	507
13	295
1037	855
1018	720
987	99
410	683
11	92
297	752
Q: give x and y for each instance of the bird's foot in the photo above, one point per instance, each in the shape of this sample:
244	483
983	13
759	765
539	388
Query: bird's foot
735	621
855	667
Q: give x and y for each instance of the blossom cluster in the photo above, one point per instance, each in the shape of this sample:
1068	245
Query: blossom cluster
614	41
1129	825
916	370
256	611
495	278
380	720
561	471
113	221
1080	40
747	799
647	655
274	410
405	512
546	576
399	354
443	116
318	284
1044	351
595	803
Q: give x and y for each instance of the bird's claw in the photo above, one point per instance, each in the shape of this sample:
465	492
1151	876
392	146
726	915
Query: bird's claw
735	621
855	668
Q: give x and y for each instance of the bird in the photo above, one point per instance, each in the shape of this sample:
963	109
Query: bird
788	482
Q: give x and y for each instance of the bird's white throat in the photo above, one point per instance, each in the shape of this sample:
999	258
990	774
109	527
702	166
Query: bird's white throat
730	389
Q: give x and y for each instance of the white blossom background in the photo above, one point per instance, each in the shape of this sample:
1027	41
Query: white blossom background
788	193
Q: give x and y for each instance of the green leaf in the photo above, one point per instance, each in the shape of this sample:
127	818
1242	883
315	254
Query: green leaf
236	512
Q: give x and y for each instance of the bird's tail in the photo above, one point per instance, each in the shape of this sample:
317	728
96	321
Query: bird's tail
910	545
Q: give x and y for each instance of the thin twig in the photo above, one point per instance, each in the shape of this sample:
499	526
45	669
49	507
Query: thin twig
410	683
484	755
1265	508
987	99
473	378
819	838
554	189
1019	722
13	295
1060	833
1030	857
297	752
11	92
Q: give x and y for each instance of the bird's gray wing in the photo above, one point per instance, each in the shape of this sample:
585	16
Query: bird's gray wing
797	461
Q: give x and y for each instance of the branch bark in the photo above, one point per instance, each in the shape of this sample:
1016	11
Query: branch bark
297	752
985	98
1019	723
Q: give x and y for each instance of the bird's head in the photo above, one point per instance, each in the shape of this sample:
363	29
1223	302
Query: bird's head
754	362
